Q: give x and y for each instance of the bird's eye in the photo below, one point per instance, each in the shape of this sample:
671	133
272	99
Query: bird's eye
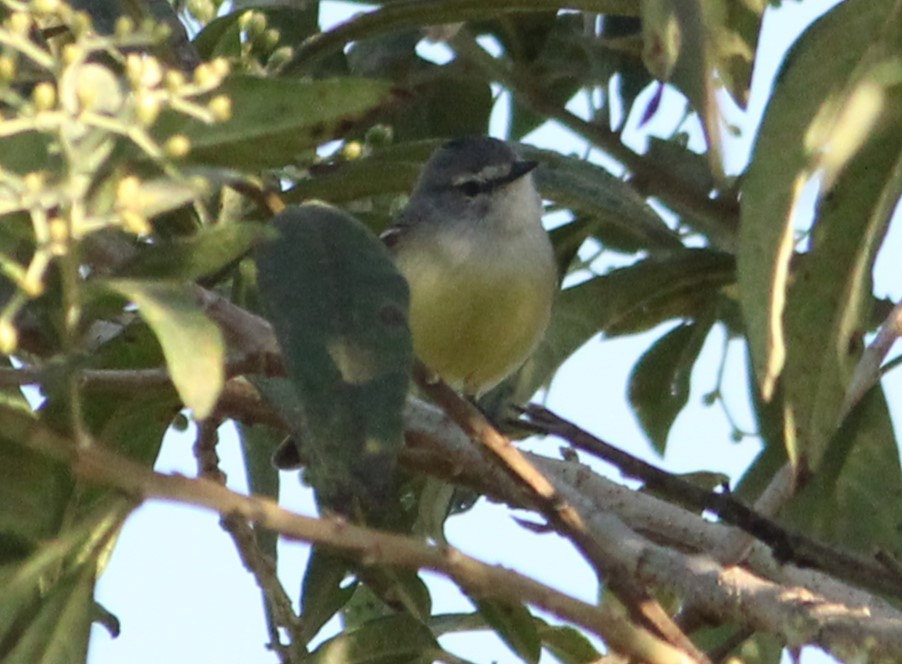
470	188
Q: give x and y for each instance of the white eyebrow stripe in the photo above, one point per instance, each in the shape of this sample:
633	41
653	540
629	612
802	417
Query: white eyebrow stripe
487	174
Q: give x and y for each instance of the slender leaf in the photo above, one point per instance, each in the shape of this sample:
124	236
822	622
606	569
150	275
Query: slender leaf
567	644
830	299
322	592
413	14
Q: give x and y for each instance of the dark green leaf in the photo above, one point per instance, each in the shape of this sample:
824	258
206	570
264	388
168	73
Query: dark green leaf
192	344
659	384
567	644
396	639
188	259
339	309
322	592
34	492
273	120
515	625
445	106
257	446
59	629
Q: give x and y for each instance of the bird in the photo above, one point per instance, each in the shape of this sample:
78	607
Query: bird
479	264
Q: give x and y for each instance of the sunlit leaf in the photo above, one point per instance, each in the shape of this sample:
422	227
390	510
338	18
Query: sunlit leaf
818	67
192	344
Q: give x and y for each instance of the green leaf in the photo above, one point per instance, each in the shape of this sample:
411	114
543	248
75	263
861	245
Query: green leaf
567	644
34	492
192	344
275	119
389	640
46	606
58	631
322	593
831	292
584	187
515	625
258	443
202	254
817	69
446	106
659	384
682	284
339	309
735	41
853	499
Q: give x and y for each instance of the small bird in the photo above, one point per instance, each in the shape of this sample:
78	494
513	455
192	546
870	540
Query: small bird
480	266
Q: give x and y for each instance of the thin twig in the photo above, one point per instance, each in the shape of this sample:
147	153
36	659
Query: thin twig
280	612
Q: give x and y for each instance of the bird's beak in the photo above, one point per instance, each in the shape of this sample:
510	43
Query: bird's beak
519	169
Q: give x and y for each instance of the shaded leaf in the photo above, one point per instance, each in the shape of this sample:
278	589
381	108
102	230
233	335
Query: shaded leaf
322	592
221	37
831	292
567	644
339	309
202	254
257	446
34	492
192	344
388	640
659	384
853	500
58	632
582	186
274	119
515	625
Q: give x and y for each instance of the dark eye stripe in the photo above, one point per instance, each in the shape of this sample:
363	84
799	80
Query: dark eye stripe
473	188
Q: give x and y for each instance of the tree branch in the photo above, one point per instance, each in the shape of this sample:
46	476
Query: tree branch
786	545
566	520
370	547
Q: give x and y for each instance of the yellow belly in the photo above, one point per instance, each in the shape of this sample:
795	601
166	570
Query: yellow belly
475	326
